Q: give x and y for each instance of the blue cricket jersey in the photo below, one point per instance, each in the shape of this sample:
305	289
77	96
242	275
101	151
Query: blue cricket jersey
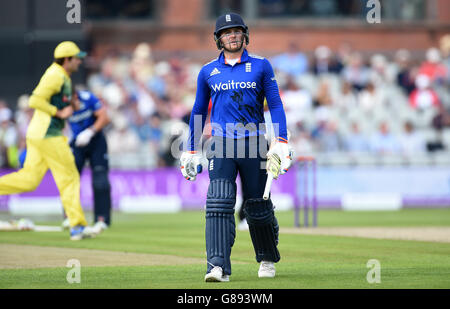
237	94
84	117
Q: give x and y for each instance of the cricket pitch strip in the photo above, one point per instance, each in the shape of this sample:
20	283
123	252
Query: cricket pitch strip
433	234
25	256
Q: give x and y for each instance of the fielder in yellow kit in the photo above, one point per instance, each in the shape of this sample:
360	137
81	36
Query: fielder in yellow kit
47	147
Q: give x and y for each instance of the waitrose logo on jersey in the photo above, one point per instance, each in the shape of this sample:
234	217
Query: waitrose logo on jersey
232	85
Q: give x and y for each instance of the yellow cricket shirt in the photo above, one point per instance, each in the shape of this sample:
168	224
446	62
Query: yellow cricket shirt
51	94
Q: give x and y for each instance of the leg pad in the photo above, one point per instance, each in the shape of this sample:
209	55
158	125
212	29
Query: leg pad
220	224
263	228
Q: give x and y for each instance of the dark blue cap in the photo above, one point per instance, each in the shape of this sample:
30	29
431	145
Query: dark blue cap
227	21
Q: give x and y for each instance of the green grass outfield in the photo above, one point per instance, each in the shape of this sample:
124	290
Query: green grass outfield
308	261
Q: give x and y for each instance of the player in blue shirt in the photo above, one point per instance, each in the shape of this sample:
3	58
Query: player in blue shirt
89	143
237	84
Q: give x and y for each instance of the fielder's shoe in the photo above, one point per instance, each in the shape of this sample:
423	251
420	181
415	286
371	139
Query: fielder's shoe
66	224
266	270
216	275
80	232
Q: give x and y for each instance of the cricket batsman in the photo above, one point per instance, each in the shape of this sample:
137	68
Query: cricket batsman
47	147
237	83
89	143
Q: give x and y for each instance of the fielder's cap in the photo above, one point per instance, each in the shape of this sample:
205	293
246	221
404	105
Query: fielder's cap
68	49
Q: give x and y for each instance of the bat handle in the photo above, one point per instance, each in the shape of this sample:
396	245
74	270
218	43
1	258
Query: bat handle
268	186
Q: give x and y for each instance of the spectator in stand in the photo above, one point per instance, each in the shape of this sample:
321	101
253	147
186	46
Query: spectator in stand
140	73
158	81
329	138
97	81
151	130
371	98
9	138
445	50
145	101
324	62
433	66
380	73
323	96
356	141
23	115
439	122
384	142
5	111
442	119
301	141
323	104
347	99
121	139
293	62
405	78
423	97
356	73
343	55
325	134
178	108
296	103
411	142
141	64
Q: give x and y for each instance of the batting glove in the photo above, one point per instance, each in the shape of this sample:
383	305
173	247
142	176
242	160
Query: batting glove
190	165
279	158
84	137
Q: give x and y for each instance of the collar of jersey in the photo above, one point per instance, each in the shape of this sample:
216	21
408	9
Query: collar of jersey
244	57
61	69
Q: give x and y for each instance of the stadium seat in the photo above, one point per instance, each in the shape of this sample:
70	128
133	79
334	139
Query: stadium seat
441	158
446	138
365	159
418	159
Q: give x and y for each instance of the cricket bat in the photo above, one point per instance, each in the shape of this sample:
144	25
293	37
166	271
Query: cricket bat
268	186
273	168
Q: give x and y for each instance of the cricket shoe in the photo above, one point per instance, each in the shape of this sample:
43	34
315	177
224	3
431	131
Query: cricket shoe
266	270
216	275
243	225
99	227
66	224
25	225
80	232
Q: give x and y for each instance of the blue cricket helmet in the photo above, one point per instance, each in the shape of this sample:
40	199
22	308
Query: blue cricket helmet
227	21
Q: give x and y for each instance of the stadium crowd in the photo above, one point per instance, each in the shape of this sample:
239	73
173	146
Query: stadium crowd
340	103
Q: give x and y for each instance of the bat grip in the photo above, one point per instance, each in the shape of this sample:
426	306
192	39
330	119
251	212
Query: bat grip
268	186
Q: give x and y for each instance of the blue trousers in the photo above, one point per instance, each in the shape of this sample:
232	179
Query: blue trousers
227	158
96	152
247	157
